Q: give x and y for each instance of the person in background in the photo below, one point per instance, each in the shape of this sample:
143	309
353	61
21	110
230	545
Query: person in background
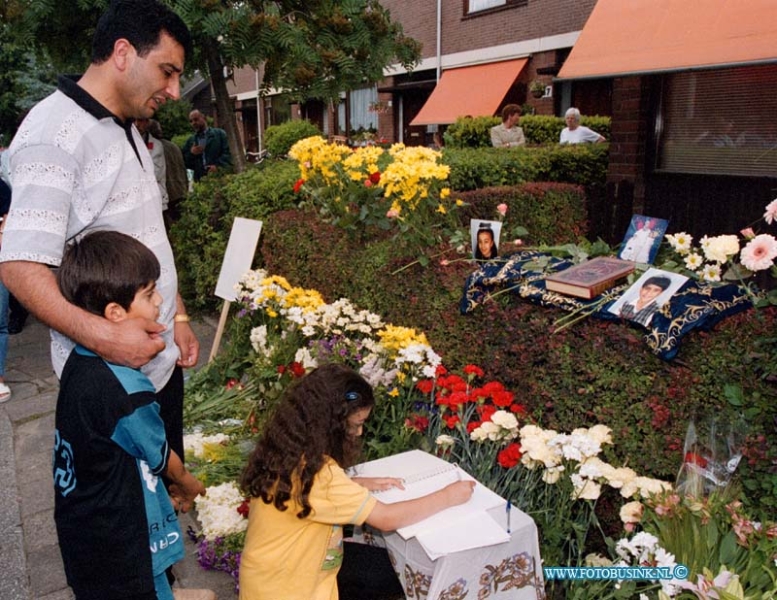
176	182
5	205
17	316
508	134
574	133
157	152
117	528
301	495
206	150
486	247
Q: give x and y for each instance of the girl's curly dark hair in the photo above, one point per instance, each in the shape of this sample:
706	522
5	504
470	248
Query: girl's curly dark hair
308	425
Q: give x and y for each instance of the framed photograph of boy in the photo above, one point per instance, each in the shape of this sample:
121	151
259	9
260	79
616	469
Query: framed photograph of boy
647	295
642	239
485	238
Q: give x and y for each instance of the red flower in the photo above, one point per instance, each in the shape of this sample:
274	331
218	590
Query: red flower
503	398
375	177
281	369
493	386
231	383
298	185
473	425
297	369
510	456
695	459
417	422
367	183
243	508
440	370
474	370
456	399
454	383
425	386
486	411
451	421
518	409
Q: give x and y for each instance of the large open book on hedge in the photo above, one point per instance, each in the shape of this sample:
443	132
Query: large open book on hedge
424	473
590	278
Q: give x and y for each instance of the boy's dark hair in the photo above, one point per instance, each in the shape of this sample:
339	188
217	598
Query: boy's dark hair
141	23
308	425
104	267
658	281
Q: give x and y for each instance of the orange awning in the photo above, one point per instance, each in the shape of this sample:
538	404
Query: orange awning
630	37
475	91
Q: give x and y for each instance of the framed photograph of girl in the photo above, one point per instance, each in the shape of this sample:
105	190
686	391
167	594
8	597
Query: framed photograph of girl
485	239
642	239
647	295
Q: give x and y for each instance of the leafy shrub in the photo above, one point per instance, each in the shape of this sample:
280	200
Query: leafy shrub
280	138
200	237
469	132
553	213
582	164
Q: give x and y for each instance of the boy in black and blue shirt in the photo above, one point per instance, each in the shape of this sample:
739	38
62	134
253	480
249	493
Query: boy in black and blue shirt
117	527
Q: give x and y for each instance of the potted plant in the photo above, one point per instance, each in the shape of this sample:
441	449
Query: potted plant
537	88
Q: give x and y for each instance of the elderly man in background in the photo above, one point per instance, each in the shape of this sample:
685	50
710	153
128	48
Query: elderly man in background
207	149
508	134
574	133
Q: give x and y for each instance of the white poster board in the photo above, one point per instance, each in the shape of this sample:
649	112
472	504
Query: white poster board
238	257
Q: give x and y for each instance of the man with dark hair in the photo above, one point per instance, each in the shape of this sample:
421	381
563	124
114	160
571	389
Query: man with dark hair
508	134
642	309
78	164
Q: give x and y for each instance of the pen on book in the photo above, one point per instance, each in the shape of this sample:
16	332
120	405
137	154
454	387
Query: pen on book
508	509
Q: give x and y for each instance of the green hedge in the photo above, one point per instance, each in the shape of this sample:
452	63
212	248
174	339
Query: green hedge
279	139
200	237
468	132
582	164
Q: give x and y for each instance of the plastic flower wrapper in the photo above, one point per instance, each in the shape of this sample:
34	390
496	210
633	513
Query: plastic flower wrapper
711	454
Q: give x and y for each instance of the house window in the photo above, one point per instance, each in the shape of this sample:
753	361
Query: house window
477	6
719	122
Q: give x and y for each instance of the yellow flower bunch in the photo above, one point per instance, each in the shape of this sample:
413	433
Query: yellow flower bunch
408	179
394	338
363	162
307	300
317	157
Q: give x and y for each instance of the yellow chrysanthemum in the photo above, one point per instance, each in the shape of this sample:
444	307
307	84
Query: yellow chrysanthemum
394	338
307	300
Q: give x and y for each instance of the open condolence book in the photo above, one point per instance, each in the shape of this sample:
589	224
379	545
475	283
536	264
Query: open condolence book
589	279
424	473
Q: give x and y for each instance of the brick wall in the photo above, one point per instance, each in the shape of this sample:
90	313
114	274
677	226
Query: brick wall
539	18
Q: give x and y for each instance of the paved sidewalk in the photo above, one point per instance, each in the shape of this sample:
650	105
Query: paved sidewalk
30	563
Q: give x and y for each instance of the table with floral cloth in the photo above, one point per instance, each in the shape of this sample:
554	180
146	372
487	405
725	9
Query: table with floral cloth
511	570
696	305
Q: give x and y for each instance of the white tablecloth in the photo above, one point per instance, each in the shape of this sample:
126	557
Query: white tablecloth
511	570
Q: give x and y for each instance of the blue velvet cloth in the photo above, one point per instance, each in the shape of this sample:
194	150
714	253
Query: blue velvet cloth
696	305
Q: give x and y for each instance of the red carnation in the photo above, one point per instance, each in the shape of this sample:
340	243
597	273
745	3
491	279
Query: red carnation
510	456
243	508
375	177
451	421
474	370
425	386
297	369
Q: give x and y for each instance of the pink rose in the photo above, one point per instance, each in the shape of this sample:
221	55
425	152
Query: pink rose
392	214
502	209
747	233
